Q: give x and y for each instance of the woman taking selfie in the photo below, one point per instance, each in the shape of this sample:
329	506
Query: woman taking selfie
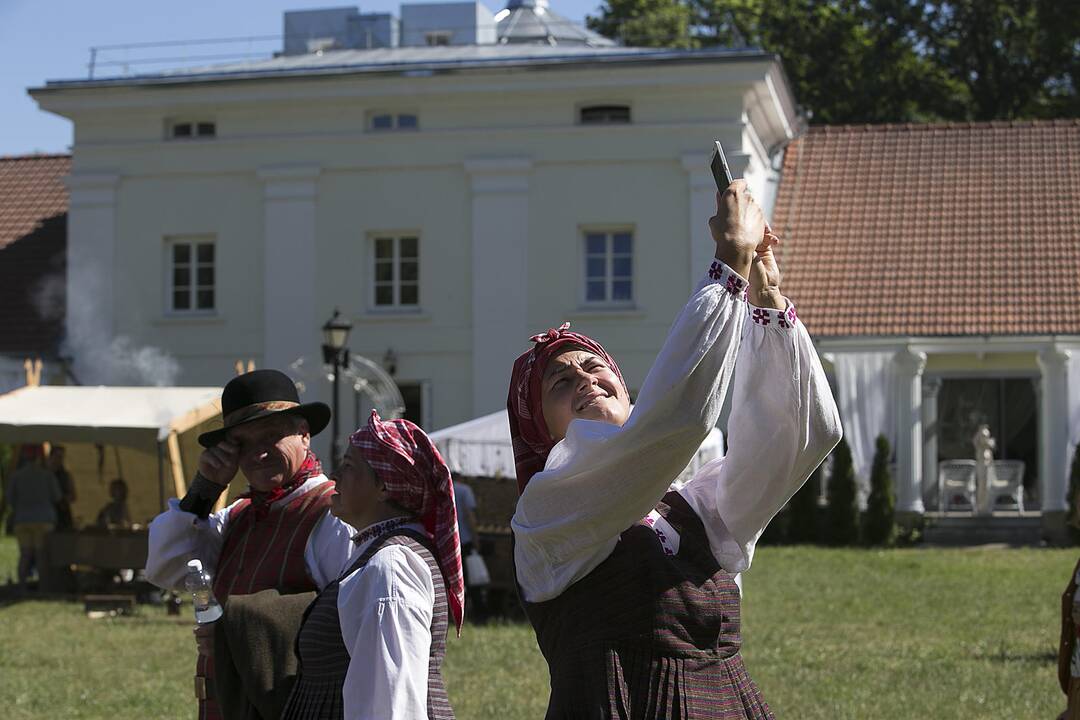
630	584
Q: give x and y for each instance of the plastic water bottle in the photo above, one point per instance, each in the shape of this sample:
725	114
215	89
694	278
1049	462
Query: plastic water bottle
198	583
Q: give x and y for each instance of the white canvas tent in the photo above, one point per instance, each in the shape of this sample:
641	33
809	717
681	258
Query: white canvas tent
481	448
146	435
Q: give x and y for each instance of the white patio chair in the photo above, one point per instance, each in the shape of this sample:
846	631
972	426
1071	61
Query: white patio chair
1005	479
956	480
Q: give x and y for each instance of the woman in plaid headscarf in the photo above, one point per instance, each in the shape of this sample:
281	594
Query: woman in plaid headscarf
391	608
629	581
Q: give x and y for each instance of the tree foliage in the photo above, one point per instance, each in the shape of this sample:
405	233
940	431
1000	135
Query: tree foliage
868	61
843	510
879	524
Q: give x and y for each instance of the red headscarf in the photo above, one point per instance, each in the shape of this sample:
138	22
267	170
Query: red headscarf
528	429
416	477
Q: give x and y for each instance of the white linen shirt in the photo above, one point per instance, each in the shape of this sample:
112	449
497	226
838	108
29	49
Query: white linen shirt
177	537
602	478
385	610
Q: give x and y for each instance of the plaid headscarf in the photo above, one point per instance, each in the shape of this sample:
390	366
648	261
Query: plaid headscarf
416	477
528	429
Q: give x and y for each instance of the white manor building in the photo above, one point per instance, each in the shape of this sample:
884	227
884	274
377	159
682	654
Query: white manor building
450	199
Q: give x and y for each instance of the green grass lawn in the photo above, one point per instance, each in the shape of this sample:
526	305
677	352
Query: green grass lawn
828	634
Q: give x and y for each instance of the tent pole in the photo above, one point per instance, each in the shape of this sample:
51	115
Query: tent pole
179	485
161	476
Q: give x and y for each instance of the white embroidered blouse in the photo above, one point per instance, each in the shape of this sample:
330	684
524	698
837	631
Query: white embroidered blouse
601	478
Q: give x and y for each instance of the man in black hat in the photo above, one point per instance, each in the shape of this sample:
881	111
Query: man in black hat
279	534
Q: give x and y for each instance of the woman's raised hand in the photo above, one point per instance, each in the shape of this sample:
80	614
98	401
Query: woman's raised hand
737	228
765	275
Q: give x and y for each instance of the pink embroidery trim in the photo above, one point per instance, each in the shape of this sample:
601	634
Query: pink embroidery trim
784	318
379	528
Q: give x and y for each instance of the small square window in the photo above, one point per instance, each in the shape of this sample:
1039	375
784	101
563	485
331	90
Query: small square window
181	130
407	121
605	115
382	122
206	129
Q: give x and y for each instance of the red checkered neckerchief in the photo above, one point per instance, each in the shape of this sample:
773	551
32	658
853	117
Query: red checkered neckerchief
528	430
415	477
261	501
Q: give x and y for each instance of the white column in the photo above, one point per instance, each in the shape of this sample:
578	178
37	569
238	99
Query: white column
909	431
1053	428
701	190
290	325
930	389
500	301
91	267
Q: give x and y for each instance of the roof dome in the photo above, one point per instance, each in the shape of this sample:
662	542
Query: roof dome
532	22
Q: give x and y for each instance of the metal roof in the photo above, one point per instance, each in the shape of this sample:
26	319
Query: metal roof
532	21
418	61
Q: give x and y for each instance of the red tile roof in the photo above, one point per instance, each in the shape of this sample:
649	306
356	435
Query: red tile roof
33	244
940	229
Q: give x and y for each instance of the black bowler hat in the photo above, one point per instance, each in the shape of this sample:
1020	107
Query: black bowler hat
260	394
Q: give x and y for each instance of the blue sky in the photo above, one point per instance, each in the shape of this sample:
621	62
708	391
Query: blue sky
51	39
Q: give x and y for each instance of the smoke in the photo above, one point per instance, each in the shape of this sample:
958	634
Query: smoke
48	297
98	357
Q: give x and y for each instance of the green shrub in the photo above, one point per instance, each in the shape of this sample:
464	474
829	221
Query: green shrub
1074	488
879	523
843	509
803	511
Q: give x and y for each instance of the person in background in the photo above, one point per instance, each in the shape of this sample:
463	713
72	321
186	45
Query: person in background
32	493
56	456
465	500
115	514
67	488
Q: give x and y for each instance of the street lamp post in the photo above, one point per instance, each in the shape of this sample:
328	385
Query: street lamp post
335	353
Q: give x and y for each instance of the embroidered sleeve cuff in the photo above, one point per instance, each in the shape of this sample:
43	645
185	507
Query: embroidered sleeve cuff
767	317
731	281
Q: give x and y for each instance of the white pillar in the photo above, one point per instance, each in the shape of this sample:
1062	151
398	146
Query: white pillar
701	189
500	300
290	325
91	267
909	432
1053	428
930	389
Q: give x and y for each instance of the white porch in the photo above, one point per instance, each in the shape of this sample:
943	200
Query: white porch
893	386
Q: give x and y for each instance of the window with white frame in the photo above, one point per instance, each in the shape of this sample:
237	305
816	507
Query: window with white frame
395	271
609	267
388	121
191	274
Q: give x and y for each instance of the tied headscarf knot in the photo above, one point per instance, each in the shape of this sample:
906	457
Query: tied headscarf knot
551	335
532	441
415	477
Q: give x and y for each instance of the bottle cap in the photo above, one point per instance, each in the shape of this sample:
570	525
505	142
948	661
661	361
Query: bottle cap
195	565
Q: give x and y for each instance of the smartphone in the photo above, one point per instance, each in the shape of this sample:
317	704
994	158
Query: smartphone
720	170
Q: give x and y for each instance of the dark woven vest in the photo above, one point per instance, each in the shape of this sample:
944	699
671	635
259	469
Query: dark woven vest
265	554
649	635
324	659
